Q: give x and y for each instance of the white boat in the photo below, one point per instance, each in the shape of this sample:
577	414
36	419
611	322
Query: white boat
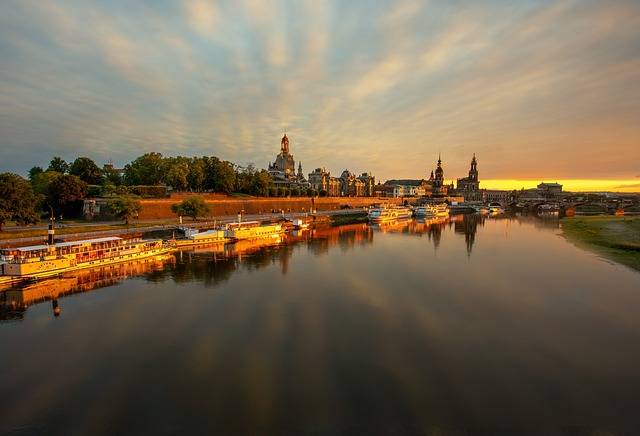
389	213
495	209
432	210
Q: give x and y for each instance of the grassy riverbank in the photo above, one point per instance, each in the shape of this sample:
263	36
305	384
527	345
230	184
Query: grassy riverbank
616	238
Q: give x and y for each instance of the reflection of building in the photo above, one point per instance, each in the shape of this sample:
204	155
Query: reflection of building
468	225
469	187
283	169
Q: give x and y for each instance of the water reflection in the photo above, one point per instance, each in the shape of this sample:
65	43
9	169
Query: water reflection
215	264
470	325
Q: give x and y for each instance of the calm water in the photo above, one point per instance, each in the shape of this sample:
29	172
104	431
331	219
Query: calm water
473	327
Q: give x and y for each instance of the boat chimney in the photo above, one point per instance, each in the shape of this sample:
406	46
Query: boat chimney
51	232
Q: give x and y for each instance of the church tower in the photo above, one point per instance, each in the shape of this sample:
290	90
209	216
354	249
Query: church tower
439	179
473	172
284	145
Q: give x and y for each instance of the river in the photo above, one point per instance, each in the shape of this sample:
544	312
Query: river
473	326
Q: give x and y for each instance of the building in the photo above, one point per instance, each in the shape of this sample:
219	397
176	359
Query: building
409	187
381	190
350	185
369	183
282	170
549	189
469	187
497	196
322	182
438	186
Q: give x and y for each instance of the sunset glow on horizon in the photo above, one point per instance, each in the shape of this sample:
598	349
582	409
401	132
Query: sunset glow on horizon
532	88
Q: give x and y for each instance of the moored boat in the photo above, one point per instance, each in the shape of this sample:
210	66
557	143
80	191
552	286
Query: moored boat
252	230
389	213
45	260
193	237
432	210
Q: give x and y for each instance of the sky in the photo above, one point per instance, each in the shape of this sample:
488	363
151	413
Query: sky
537	90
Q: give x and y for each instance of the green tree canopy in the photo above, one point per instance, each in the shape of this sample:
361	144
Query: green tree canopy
177	172
64	192
17	200
193	207
58	165
196	175
87	170
34	172
125	207
147	169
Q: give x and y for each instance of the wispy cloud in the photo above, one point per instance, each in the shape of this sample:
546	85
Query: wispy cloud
535	89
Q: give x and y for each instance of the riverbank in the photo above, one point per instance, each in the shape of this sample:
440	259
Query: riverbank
615	238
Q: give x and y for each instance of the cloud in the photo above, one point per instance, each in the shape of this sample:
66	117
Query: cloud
202	16
378	87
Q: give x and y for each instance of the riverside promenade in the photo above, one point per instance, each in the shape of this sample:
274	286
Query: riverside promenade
138	227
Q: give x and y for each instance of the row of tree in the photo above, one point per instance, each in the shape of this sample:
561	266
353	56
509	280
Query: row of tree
198	174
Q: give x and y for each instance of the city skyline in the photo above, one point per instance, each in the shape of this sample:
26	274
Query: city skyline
539	91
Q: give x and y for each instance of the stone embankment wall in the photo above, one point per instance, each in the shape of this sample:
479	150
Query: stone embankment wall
221	205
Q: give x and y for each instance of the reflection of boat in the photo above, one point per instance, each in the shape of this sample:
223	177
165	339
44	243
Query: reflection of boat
389	213
51	259
299	224
549	209
432	210
247	246
19	299
391	226
495	209
252	230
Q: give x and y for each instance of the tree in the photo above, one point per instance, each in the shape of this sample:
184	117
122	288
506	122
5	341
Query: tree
125	208
261	182
196	174
177	172
220	176
87	170
34	172
147	169
58	165
42	181
17	200
111	176
64	193
192	207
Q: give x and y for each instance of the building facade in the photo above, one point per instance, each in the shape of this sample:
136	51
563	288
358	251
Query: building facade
469	187
350	185
283	169
321	181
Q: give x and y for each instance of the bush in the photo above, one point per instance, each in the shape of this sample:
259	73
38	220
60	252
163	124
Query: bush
148	191
192	207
